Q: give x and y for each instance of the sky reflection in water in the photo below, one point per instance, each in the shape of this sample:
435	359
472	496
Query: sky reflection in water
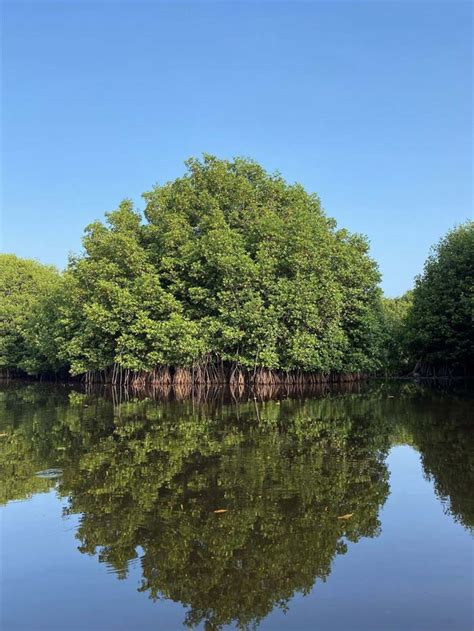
141	480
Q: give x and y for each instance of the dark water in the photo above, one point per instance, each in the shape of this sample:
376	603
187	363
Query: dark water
338	511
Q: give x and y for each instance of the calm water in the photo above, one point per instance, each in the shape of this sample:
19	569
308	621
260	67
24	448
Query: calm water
336	511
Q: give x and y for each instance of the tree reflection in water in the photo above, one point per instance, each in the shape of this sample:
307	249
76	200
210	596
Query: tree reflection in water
147	478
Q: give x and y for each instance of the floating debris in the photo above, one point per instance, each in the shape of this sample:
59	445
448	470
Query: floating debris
220	510
49	474
348	516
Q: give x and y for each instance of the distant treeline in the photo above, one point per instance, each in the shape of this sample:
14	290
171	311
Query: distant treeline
232	274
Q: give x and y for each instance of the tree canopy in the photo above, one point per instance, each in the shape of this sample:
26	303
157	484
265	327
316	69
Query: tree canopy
230	266
232	274
27	293
395	355
440	327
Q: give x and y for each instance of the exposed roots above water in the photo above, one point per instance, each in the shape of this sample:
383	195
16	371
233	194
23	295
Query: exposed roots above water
213	374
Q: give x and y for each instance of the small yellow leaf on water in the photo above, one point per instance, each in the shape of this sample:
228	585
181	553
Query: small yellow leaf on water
3	434
348	516
221	510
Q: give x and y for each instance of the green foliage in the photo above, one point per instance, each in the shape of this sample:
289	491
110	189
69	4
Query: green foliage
118	311
396	359
231	265
440	327
233	271
29	294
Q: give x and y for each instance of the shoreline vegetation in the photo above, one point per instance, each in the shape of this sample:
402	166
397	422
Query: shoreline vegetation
233	276
216	374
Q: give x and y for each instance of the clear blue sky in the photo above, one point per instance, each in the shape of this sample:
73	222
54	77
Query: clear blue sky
366	103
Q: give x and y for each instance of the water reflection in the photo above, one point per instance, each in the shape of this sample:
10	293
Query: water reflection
293	479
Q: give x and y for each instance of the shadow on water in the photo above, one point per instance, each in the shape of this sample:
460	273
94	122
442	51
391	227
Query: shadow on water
231	504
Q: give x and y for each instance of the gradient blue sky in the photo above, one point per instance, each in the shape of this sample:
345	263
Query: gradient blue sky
366	103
